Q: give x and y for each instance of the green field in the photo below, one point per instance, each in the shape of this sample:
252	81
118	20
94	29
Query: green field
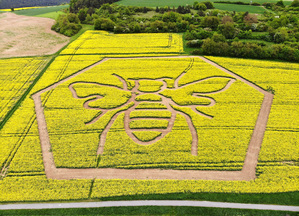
176	3
240	8
149	210
228	7
47	12
171	3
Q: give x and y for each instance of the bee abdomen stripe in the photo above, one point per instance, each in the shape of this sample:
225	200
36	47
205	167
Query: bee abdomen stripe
148	124
151	105
150	114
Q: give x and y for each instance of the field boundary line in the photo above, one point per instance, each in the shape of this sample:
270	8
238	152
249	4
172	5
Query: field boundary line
251	159
14	150
137	203
22	98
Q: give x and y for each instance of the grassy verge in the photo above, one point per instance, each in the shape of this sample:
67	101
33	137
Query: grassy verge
148	210
288	198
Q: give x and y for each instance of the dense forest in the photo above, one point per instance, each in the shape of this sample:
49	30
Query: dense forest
6	4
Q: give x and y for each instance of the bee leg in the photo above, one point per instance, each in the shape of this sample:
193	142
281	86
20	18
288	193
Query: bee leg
194	144
104	135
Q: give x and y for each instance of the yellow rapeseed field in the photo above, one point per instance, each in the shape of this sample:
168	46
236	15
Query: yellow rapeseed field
17	9
104	43
281	138
16	75
78	110
74	143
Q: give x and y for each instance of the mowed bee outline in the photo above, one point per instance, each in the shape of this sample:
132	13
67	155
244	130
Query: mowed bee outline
128	103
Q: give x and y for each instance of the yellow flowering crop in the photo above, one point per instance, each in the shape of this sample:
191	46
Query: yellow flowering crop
17	9
14	135
101	42
75	120
16	75
220	142
282	133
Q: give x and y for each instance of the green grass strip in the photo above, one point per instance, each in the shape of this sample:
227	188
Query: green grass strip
149	210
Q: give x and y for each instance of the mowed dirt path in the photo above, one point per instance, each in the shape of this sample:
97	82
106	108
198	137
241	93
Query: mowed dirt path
247	173
28	36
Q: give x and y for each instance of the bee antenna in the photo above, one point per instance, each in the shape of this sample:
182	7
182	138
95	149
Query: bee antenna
176	81
125	85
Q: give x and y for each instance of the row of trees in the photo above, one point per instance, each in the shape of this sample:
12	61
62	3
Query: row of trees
247	50
76	5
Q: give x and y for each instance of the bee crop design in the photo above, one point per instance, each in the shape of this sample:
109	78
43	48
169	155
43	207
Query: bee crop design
154	100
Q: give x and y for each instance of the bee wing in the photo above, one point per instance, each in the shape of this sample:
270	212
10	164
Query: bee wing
195	93
99	96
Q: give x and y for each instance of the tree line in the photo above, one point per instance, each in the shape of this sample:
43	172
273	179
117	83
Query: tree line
76	5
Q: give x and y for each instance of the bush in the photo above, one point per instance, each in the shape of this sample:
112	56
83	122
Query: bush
295	3
104	24
189	36
281	35
73	18
211	22
245	34
195	43
119	29
210	47
197	52
203	34
82	15
227	19
157	26
228	30
202	7
89	20
280	3
268	5
218	37
68	24
209	4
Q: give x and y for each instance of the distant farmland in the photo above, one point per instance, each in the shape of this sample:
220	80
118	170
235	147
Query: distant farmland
176	3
